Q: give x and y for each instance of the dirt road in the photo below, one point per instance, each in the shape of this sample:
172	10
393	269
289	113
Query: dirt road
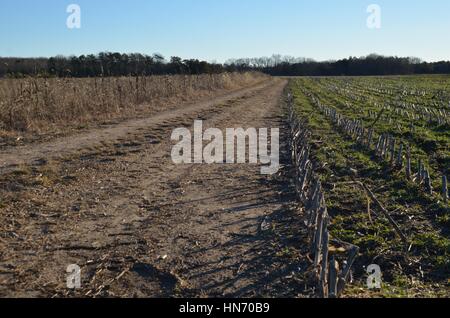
112	202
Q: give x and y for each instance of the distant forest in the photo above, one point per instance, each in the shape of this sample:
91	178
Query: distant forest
373	64
117	64
104	64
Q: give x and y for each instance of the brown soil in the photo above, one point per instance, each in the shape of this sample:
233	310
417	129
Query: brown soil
111	201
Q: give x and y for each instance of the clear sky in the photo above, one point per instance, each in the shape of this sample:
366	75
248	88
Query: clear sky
222	29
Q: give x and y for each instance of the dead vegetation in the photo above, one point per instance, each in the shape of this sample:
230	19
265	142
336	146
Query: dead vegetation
40	105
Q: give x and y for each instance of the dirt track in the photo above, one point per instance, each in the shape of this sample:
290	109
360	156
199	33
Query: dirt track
140	226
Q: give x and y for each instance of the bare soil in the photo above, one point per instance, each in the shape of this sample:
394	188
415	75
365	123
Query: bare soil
111	201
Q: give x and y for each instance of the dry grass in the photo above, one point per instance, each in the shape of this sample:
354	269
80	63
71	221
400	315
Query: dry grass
39	105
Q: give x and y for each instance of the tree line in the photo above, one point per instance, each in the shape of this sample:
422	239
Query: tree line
135	64
105	64
369	65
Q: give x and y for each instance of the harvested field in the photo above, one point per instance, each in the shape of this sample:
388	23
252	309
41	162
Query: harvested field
390	135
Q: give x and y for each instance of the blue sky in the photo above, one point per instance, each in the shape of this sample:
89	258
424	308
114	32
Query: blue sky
222	29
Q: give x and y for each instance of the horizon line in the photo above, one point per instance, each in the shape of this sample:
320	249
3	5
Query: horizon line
215	61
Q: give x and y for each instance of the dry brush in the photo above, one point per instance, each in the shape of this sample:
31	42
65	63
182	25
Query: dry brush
38	104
